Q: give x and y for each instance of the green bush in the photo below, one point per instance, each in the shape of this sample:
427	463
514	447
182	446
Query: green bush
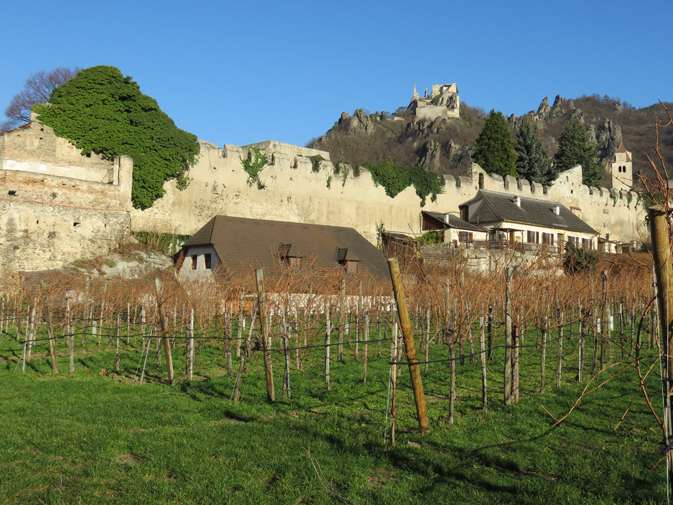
102	111
578	260
396	178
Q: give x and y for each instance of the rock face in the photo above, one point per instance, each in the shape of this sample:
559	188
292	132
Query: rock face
359	123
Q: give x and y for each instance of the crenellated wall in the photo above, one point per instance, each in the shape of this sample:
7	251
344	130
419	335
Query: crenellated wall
294	192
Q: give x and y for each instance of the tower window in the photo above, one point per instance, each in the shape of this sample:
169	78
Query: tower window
207	257
195	260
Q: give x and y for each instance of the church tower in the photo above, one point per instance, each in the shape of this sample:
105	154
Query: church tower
621	169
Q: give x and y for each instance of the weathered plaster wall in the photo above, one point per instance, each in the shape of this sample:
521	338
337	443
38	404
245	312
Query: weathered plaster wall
294	192
35	148
36	236
57	206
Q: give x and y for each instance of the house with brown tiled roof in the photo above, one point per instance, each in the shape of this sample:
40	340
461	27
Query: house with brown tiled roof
233	246
527	224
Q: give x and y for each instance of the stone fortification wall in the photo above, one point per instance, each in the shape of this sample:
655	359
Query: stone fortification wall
35	148
57	206
294	192
35	236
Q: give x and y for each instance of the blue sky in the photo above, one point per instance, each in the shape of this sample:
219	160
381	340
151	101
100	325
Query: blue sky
245	72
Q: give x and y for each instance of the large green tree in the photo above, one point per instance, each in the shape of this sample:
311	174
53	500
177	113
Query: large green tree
494	149
574	149
103	111
532	160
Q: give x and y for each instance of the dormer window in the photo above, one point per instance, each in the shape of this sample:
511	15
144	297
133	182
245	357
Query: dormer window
348	259
290	255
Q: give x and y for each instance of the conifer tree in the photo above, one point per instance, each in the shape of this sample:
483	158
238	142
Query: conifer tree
494	149
532	160
574	149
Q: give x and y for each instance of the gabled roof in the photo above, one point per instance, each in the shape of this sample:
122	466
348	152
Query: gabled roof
246	244
454	221
492	208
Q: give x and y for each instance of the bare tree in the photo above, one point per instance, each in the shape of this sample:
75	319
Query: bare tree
37	89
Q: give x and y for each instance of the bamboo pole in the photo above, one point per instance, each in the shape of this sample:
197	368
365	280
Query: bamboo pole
410	347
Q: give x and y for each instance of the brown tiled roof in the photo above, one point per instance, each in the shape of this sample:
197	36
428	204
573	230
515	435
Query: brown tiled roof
247	244
621	148
496	207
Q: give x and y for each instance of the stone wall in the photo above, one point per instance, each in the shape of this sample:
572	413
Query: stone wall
294	192
57	206
35	236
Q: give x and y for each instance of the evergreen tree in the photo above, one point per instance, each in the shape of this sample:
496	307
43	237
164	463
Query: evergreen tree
103	111
574	149
494	149
532	160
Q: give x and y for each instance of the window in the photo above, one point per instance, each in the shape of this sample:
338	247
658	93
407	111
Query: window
533	237
352	267
207	257
195	260
548	239
294	262
464	213
466	236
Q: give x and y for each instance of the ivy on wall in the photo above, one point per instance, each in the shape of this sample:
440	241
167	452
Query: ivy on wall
397	178
103	111
253	165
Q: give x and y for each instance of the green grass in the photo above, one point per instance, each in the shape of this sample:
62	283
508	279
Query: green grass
93	437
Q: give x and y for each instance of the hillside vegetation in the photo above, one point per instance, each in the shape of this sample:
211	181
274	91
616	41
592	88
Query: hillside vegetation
445	146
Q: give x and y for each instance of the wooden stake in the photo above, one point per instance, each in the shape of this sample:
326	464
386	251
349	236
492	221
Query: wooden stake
659	231
263	323
410	347
508	336
342	316
328	341
164	330
559	356
50	333
482	355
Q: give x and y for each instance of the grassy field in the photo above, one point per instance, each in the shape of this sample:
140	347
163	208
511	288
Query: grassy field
93	437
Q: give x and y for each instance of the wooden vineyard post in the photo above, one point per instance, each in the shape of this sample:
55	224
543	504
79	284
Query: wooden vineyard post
117	357
287	391
71	339
559	356
410	348
261	296
508	336
164	330
580	358
342	318
366	359
358	322
393	380
50	333
240	326
664	275
328	343
545	329
604	320
482	355
189	361
490	331
516	342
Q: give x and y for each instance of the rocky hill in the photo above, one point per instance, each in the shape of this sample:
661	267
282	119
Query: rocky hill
445	144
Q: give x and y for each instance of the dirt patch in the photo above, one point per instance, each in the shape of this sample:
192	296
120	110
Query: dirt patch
381	478
127	459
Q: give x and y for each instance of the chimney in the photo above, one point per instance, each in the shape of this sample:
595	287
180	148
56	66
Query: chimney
517	201
557	209
607	236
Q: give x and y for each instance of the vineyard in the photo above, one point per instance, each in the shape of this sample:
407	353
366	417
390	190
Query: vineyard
521	368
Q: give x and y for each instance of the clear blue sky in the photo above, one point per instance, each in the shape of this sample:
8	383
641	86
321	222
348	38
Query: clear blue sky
244	72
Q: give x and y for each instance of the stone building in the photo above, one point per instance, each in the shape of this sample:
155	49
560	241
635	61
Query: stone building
442	102
621	170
